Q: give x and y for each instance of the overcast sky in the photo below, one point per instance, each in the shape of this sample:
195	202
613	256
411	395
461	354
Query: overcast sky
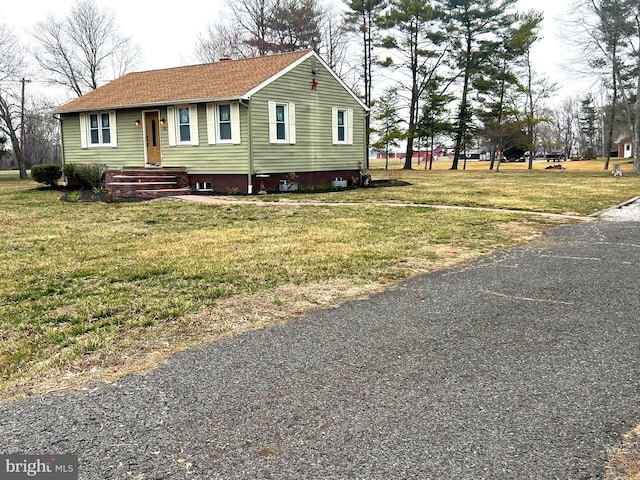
167	35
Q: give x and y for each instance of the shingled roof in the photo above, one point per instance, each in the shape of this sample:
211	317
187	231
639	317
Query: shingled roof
224	79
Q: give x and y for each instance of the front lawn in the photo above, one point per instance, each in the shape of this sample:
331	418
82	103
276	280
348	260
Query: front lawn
98	290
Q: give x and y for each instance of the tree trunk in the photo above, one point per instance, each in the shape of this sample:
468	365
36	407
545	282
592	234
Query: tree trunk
614	102
17	151
367	80
636	132
430	155
530	113
413	105
12	131
409	154
462	119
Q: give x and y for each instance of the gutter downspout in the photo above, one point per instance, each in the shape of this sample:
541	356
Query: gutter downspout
250	172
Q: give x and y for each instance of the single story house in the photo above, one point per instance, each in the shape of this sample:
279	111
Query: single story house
241	125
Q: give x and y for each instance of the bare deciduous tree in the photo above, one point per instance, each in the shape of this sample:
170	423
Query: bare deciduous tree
222	39
85	48
560	130
608	34
336	33
261	27
11	64
41	144
11	54
252	18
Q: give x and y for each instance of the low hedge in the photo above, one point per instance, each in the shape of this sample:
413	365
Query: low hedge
89	175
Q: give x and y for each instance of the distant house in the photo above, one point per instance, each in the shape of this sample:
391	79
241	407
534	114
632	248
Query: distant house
624	146
243	125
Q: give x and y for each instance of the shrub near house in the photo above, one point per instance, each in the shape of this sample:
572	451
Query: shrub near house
47	174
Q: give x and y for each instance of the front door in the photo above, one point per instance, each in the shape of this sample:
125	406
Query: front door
152	138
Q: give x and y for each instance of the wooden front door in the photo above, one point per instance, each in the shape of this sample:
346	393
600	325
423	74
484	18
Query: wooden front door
152	138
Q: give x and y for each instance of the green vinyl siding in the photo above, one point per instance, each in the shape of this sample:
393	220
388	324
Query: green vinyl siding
313	149
204	158
129	140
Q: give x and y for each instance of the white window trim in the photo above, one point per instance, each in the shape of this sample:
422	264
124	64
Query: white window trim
85	130
202	186
174	125
348	126
290	123
213	127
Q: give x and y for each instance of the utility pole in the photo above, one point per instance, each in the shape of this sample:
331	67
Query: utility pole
20	154
23	81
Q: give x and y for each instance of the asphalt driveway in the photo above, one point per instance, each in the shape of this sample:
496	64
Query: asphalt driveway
524	364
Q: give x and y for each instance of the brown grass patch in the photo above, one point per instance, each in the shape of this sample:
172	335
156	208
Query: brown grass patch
624	462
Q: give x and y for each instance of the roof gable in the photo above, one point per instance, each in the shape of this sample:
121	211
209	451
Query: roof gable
225	79
318	59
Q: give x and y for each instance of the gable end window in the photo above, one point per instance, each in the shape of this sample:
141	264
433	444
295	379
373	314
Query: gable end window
183	125
342	126
98	129
282	122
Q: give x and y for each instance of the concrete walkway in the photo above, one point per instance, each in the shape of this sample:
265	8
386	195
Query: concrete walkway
521	365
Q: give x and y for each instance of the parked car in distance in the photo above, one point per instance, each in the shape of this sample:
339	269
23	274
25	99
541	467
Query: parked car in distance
555	156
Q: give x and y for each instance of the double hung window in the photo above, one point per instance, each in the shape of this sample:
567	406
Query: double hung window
282	122
98	129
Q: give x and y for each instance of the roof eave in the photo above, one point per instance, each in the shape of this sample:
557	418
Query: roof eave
183	101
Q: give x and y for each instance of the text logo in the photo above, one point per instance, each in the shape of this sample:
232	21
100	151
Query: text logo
45	467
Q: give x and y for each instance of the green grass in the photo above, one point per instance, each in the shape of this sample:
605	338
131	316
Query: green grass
583	188
94	285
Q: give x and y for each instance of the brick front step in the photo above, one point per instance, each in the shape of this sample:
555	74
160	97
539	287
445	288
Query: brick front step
147	183
143	178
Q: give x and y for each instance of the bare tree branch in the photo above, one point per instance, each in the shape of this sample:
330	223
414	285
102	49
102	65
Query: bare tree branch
11	54
84	49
